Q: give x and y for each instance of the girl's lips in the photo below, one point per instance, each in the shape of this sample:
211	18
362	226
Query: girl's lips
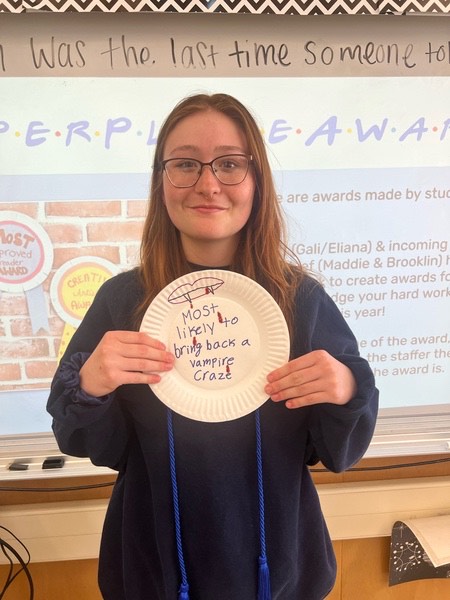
207	208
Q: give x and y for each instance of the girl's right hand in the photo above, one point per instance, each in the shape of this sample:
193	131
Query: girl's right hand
124	357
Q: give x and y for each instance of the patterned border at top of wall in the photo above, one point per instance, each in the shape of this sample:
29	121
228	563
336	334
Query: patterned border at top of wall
278	7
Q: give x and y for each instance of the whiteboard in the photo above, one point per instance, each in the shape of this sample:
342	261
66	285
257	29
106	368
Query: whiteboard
354	111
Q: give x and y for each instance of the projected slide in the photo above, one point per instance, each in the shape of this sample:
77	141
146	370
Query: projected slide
362	168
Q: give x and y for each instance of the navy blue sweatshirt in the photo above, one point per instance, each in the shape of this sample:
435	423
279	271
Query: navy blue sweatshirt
216	469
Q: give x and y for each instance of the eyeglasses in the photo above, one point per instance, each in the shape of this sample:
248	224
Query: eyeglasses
230	169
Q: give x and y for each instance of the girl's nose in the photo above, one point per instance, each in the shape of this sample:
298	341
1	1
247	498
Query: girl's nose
207	181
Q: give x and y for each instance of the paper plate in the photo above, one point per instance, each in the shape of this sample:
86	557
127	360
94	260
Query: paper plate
227	333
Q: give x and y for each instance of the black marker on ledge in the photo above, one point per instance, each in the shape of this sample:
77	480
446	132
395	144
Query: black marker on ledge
54	462
18	465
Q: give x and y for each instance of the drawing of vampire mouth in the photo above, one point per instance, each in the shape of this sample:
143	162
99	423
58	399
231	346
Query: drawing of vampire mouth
191	291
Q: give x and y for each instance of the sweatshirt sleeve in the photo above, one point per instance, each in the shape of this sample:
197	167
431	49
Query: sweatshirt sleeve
340	435
84	425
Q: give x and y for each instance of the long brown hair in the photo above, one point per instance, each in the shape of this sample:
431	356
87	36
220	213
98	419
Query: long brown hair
262	253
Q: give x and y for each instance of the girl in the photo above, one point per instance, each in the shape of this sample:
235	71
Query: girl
203	532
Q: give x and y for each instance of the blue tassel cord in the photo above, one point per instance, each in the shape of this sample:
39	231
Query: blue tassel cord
183	592
263	580
264	592
263	568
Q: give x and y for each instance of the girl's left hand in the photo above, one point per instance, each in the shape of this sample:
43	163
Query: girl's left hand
313	378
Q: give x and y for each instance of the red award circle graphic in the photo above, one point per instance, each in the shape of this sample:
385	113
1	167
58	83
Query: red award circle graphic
26	252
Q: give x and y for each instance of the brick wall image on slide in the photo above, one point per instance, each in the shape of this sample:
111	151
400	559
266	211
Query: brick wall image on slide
85	236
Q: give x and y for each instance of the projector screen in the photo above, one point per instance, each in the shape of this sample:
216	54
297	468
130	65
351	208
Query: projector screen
355	114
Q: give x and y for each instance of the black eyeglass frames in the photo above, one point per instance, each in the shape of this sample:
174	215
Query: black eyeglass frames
229	169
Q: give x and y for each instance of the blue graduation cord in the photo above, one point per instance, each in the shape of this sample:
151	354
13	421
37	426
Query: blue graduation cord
263	568
183	592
